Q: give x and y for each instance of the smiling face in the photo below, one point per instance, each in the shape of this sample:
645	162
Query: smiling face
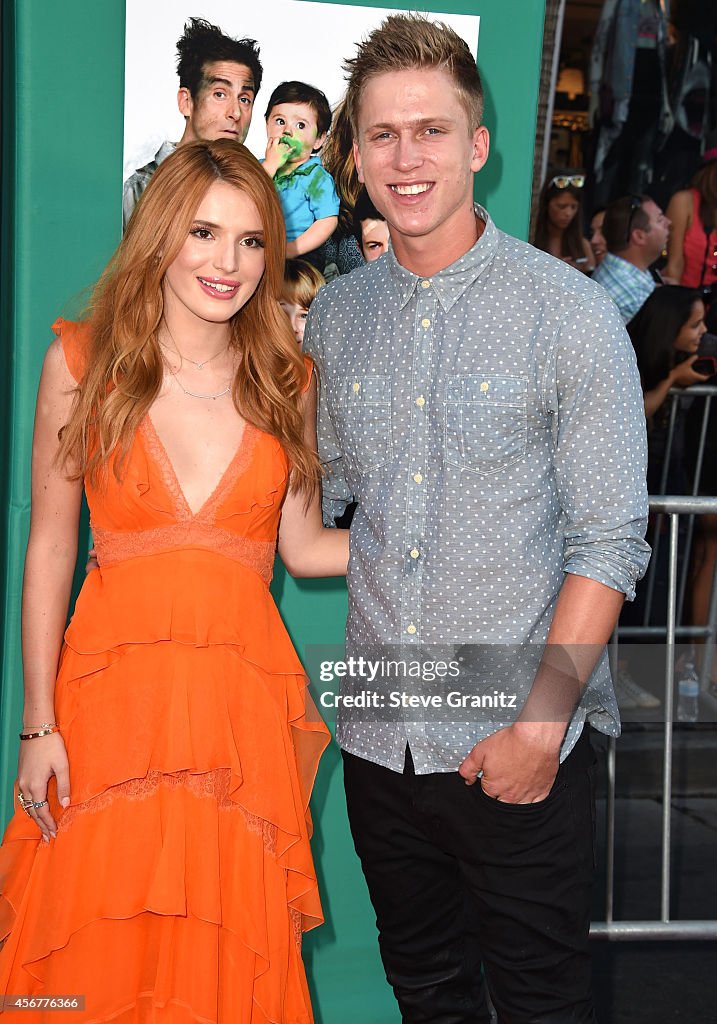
298	121
688	340
223	106
562	209
218	268
417	154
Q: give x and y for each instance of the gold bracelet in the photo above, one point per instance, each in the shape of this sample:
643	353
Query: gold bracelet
42	732
44	725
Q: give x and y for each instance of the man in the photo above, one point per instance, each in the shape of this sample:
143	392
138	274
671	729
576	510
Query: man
481	401
636	232
219	78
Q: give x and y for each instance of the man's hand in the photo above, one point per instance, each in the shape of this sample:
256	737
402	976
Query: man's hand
519	763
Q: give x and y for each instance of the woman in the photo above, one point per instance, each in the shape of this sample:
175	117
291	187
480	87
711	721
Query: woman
159	861
558	226
692	245
666	334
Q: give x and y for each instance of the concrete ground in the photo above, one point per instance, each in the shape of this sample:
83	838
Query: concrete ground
650	982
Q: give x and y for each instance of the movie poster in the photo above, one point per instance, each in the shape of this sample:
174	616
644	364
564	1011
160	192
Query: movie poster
297	40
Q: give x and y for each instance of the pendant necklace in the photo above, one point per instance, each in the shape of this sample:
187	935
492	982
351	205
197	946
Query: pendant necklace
199	366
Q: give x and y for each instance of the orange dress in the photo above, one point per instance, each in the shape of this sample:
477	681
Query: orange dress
181	877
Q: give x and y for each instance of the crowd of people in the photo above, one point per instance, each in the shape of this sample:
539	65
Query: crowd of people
660	269
220	402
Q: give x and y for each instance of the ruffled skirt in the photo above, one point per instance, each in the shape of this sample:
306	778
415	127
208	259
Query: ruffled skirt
181	877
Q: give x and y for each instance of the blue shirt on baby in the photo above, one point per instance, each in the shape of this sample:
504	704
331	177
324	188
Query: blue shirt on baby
307	194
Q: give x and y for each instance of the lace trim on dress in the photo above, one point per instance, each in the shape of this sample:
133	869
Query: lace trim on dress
234	470
158	453
212	785
117	546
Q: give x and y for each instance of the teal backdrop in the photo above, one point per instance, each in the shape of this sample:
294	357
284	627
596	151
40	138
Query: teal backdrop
62	96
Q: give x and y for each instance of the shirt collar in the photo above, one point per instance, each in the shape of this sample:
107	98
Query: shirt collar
621	265
451	282
165	150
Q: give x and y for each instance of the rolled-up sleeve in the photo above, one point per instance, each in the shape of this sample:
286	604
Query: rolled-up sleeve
336	493
600	446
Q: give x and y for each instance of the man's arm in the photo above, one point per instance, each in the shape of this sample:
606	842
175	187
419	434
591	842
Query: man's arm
600	462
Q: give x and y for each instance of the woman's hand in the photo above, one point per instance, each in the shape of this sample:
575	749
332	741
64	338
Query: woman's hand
39	760
683	375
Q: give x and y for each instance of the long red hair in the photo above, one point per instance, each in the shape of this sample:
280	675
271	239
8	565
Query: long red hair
125	366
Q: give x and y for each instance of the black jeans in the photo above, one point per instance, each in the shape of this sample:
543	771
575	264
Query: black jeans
459	880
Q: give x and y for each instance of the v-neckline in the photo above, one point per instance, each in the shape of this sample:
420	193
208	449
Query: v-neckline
157	450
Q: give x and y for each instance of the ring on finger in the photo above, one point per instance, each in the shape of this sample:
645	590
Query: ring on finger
24	803
37	804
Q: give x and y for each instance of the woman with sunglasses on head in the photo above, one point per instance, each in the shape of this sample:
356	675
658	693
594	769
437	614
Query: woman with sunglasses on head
158	863
559	222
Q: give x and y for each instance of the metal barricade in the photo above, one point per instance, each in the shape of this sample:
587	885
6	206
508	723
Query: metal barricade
671	507
679	397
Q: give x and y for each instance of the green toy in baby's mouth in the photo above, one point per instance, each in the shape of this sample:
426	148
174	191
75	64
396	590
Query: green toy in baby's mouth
295	147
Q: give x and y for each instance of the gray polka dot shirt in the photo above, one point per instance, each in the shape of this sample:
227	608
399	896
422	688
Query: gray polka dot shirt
489	423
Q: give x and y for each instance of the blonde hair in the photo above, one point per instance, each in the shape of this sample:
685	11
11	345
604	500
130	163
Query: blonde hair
301	283
125	366
406	41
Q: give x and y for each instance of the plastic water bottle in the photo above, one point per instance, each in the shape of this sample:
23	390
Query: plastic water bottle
688	694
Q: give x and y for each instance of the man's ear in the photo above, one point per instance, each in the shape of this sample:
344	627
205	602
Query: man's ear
320	140
481	148
357	161
185	102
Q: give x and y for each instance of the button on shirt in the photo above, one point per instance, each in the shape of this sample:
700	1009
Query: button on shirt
525	460
627	285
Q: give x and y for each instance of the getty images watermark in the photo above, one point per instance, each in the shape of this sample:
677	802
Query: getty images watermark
380	671
441	682
463	683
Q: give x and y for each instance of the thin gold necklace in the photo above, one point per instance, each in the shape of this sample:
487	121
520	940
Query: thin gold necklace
194	394
199	366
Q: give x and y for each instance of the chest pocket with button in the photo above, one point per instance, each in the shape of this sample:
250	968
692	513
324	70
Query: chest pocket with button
486	421
363	423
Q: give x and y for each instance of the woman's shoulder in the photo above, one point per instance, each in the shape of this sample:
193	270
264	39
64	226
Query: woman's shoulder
681	203
74	337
